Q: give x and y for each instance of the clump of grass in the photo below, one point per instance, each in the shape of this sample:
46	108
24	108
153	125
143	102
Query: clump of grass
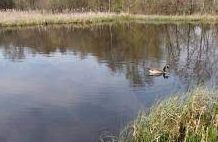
193	118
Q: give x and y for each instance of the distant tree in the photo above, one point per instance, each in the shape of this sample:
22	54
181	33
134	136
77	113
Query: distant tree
117	5
131	6
6	4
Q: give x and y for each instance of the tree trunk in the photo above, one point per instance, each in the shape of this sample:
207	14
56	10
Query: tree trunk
109	3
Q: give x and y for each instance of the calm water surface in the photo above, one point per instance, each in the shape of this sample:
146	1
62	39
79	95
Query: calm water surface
65	84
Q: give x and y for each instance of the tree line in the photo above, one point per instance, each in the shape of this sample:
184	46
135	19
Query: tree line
131	6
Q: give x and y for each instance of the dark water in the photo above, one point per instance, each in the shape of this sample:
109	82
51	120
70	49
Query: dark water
64	84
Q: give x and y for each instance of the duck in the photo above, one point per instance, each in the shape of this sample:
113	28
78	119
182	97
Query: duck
155	71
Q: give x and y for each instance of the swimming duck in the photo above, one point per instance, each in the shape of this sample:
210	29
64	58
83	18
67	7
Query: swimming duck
154	71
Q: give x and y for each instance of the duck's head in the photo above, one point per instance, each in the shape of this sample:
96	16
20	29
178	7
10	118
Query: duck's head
166	67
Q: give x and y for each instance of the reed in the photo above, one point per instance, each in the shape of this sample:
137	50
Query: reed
27	18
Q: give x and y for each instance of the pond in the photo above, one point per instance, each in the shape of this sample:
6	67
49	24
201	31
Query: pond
62	83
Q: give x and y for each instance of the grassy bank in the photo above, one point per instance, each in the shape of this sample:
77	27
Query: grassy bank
28	18
193	118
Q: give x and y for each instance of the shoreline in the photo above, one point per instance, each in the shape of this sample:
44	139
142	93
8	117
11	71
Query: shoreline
34	18
190	117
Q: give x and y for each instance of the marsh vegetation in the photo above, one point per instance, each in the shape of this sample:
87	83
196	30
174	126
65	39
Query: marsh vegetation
192	117
11	18
80	12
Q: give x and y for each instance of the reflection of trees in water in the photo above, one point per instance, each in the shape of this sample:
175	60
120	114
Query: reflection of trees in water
14	53
128	48
192	52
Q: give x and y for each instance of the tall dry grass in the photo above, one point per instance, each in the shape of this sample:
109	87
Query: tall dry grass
189	118
26	18
22	18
